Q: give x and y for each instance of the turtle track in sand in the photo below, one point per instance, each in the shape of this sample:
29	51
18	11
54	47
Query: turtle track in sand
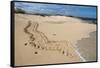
39	41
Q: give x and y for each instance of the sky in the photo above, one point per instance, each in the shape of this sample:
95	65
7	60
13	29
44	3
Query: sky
54	9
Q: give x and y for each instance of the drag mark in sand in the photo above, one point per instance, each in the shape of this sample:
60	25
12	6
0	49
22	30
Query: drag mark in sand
38	40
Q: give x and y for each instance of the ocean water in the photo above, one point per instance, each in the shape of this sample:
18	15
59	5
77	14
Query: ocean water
56	9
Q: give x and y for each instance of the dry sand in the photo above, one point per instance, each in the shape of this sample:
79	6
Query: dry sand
55	28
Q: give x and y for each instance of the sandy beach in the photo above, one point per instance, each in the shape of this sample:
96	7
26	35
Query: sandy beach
57	39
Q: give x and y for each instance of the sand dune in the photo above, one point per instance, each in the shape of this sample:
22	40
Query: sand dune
52	31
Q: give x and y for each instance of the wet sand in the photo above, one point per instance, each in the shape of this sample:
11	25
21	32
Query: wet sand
55	28
87	47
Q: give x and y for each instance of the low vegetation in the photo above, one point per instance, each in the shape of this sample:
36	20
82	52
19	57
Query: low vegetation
18	10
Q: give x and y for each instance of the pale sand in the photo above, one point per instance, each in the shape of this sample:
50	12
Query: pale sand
56	28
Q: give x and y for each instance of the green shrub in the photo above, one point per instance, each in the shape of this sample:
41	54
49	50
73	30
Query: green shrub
18	10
